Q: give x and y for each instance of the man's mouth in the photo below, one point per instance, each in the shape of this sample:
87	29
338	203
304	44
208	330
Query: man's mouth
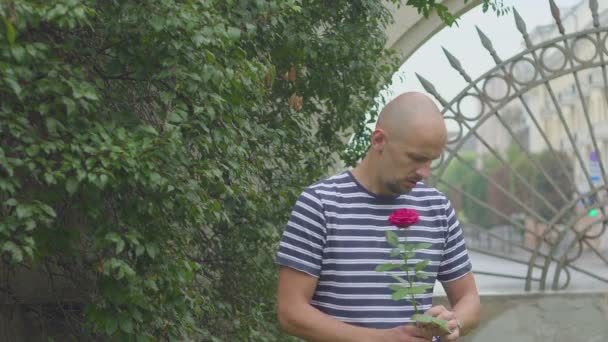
411	183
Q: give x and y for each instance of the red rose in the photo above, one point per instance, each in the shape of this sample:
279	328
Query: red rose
403	218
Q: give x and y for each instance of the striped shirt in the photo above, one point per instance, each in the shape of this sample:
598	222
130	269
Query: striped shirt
336	233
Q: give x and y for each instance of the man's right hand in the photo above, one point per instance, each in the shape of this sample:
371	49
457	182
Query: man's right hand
406	333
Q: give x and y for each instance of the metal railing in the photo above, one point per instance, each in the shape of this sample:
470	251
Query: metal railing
547	207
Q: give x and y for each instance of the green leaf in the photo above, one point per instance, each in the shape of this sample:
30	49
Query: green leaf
142	338
396	287
10	31
11	202
149	129
48	210
30	225
71	185
139	250
405	268
126	324
421	275
157	23
103	178
151	250
421	288
120	246
23	211
386	267
392	238
70	105
14	250
113	237
233	33
421	265
399	279
412	290
433	322
400	294
111	325
407	248
423	245
151	284
14	85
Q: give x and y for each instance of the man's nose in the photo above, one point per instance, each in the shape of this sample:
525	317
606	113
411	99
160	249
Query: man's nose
425	170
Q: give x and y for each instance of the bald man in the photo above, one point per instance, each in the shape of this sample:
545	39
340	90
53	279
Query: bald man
328	289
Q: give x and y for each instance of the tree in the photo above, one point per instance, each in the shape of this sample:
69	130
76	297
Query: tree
151	150
482	191
560	175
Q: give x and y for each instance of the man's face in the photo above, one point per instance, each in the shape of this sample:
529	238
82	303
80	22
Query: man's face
407	160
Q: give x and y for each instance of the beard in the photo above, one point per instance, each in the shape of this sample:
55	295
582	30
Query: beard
397	188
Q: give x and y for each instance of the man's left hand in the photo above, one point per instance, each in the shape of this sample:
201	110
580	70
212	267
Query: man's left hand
440	312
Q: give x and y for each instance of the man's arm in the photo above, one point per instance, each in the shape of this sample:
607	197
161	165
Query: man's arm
299	318
464	300
456	276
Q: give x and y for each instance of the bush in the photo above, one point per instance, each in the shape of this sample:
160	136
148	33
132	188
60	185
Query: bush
152	150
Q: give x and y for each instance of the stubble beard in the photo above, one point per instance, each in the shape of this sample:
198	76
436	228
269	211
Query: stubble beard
396	189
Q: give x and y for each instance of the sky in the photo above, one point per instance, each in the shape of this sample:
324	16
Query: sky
463	42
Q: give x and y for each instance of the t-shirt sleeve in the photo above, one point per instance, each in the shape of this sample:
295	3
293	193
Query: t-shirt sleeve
303	240
455	262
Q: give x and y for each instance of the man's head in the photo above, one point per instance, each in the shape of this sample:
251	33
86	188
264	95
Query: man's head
409	135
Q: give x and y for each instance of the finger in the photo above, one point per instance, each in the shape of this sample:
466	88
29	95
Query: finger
452	324
418	331
435	310
424	333
452	337
447	315
422	336
455	331
422	339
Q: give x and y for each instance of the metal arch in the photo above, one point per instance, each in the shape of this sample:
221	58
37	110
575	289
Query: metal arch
448	106
548	60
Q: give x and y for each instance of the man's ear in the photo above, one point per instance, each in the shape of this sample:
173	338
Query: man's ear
378	139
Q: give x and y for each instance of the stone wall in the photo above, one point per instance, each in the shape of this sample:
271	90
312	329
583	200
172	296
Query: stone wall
549	316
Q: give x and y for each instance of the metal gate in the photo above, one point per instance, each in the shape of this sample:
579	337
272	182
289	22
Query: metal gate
526	170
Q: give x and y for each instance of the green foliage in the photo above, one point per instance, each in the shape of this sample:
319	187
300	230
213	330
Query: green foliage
458	174
558	166
152	150
441	324
477	187
425	7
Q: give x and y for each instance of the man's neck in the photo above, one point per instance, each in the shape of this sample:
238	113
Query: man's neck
366	175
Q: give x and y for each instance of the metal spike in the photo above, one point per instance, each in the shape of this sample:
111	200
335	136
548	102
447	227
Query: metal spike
455	63
521	27
593	5
487	43
430	88
556	15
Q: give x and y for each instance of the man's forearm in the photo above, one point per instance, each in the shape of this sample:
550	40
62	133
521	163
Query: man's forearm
467	311
310	324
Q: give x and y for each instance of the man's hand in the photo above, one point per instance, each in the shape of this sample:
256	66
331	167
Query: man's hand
405	333
441	312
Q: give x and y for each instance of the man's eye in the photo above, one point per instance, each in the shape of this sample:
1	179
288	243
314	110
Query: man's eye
419	159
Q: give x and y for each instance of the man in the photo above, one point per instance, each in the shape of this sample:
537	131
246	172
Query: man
328	289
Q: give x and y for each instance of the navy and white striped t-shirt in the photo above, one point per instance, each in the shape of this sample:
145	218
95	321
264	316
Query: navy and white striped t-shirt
336	233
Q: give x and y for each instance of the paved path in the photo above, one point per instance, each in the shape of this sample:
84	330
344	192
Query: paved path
490	284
